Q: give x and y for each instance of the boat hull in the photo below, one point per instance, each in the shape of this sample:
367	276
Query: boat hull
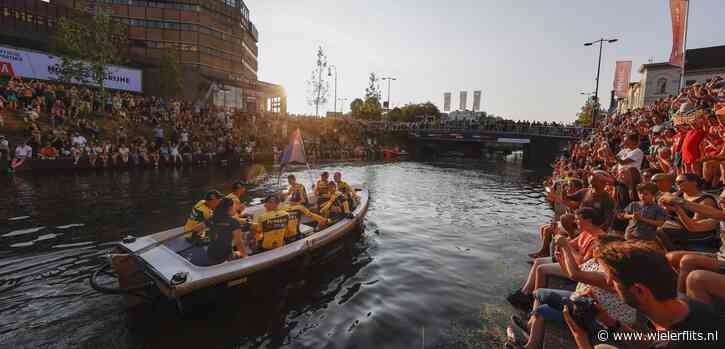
157	258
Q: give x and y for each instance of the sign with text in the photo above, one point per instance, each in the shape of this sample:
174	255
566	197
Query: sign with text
622	73
41	66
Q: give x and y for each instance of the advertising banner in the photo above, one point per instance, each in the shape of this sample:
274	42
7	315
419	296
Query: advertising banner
446	101
41	66
464	102
476	100
678	10
622	73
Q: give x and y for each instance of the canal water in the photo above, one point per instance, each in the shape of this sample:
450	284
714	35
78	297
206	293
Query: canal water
443	244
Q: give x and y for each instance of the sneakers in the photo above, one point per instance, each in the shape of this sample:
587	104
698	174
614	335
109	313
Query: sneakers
520	300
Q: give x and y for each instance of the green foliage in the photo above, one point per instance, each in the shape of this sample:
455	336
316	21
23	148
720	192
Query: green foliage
99	41
373	89
170	79
372	109
356	107
584	117
409	112
319	88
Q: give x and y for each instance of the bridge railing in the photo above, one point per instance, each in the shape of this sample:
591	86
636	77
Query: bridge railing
553	131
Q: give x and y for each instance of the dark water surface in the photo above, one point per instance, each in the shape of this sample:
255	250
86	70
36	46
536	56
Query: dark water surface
443	244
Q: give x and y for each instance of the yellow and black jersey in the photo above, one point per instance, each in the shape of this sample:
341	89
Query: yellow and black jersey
295	217
271	228
348	191
336	205
298	194
200	213
322	189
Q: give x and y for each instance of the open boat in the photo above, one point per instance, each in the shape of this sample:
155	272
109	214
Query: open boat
167	262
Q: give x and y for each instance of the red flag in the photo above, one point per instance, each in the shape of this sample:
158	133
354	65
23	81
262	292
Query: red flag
622	73
678	9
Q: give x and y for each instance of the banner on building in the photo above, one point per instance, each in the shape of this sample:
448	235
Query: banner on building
476	100
464	102
41	66
622	74
447	101
678	10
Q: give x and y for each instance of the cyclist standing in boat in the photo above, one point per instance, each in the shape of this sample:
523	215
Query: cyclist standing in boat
238	189
200	214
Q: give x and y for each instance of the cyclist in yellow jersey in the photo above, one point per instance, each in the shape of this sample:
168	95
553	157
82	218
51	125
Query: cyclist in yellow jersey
271	226
200	214
322	189
296	211
336	206
346	190
296	193
238	189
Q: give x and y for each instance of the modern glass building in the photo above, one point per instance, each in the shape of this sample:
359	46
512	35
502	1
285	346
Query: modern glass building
214	40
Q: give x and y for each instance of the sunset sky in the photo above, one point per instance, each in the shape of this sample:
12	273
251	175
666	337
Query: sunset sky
528	57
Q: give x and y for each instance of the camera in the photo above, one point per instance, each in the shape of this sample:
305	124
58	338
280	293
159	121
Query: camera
583	311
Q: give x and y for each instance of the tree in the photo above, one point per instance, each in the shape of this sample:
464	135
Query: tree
68	45
319	88
372	109
87	46
584	117
170	79
373	89
356	107
395	114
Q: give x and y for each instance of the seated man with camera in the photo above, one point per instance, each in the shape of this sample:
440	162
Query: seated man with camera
639	274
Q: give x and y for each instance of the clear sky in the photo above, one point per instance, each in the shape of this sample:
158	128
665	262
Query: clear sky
528	57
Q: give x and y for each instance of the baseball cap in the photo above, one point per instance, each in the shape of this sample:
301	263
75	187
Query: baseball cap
213	194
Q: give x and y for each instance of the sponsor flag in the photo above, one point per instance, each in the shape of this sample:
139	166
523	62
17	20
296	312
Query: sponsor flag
476	100
295	152
678	10
447	101
464	102
622	74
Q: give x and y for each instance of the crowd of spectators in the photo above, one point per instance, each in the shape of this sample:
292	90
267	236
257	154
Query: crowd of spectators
637	226
90	128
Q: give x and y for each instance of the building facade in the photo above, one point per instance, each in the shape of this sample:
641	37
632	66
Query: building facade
214	40
660	80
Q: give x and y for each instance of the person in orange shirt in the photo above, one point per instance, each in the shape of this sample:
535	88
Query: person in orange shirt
47	152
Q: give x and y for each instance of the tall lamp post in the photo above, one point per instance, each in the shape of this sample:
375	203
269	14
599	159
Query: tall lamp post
329	73
389	79
595	110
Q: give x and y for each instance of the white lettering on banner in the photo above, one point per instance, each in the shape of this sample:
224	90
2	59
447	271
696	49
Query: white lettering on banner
42	66
514	140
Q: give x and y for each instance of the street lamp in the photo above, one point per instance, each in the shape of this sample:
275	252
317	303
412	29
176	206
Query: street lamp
329	73
599	67
389	79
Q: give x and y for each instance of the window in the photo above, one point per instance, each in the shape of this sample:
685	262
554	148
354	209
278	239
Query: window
662	86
